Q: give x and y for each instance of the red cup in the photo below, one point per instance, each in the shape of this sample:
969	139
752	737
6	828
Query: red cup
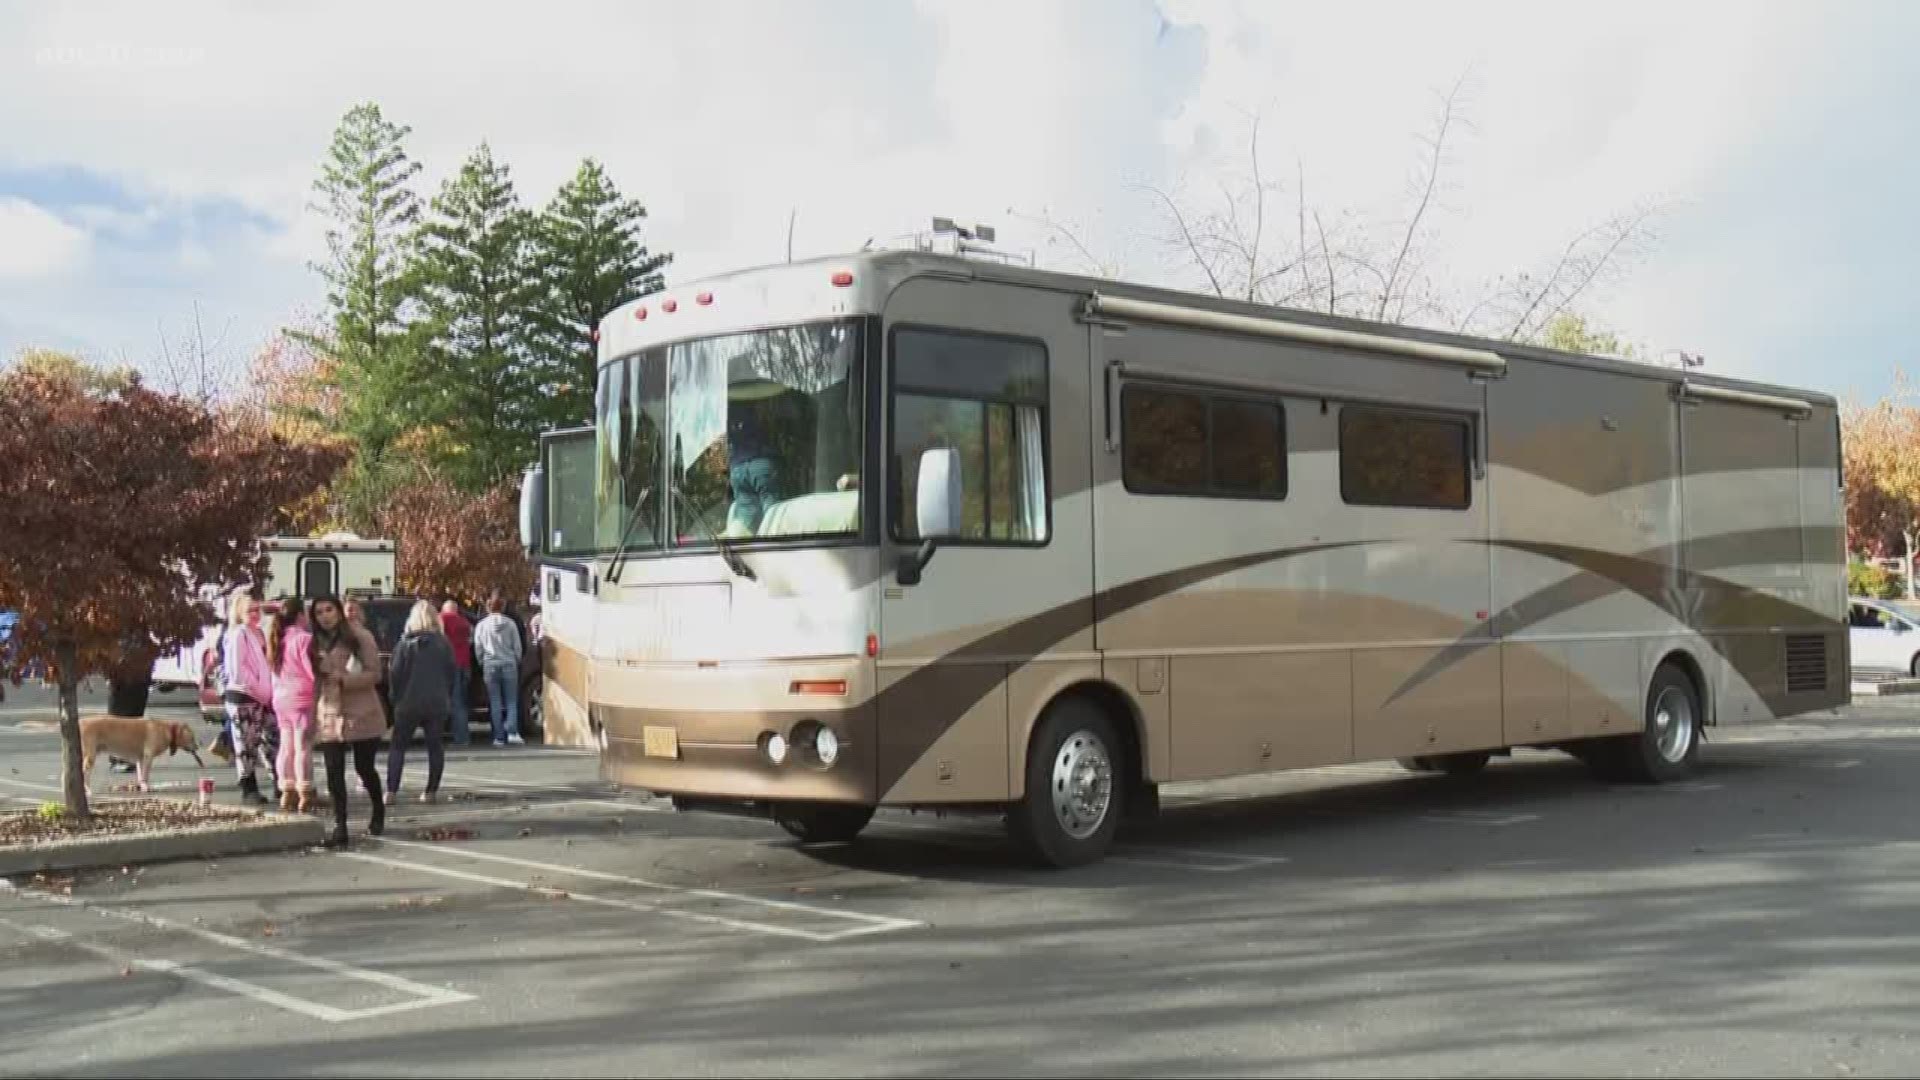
206	790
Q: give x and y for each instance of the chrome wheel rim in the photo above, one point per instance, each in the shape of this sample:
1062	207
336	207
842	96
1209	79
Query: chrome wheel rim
1082	784
1673	724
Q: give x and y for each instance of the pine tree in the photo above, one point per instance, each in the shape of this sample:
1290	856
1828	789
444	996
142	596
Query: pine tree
592	260
371	210
478	293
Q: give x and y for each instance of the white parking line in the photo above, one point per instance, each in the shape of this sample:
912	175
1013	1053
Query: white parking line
1478	817
1176	858
868	924
423	996
469	778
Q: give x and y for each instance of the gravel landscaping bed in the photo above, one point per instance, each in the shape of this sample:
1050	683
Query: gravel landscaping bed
127	817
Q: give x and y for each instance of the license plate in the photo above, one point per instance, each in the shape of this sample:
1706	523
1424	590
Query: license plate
661	742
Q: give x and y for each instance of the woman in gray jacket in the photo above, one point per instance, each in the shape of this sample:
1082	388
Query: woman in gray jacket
420	686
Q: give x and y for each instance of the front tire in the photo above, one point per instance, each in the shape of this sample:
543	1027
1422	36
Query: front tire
1075	793
827	823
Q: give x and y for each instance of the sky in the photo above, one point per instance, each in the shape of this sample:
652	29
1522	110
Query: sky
157	161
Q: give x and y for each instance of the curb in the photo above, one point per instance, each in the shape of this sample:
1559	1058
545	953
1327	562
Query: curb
273	834
1887	688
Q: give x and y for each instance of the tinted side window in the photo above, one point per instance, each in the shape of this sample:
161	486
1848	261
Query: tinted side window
1249	452
1179	442
1164	440
1390	458
985	397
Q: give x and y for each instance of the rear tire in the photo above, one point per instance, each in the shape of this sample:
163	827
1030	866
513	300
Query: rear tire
1667	747
826	823
1076	790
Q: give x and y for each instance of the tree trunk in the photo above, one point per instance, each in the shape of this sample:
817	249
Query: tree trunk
73	785
1909	539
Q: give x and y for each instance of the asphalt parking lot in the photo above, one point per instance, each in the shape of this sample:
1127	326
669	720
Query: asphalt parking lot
1352	921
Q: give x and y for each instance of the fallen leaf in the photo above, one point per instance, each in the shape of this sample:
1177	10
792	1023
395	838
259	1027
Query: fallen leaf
526	832
445	832
800	888
126	971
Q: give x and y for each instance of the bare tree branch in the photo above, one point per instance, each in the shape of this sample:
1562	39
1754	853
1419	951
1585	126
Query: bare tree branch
1626	229
1259	211
1426	195
1328	252
1098	265
1181	219
1300	171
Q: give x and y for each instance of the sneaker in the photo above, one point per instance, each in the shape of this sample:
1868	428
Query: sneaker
499	742
429	796
515	740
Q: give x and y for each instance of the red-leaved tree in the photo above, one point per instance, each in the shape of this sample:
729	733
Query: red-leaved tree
455	544
113	501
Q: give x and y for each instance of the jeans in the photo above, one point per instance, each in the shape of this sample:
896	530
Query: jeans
503	700
403	725
458	722
755	488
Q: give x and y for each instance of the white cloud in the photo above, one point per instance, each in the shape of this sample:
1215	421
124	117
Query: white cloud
35	244
724	117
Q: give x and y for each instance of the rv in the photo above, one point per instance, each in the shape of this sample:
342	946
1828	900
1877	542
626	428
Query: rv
917	529
341	564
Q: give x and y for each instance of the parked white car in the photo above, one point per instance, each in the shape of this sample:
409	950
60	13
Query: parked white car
1884	635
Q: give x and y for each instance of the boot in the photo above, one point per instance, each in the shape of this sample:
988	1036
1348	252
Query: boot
250	791
306	800
287	801
338	837
378	824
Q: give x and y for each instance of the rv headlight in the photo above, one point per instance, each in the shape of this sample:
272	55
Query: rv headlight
775	747
827	745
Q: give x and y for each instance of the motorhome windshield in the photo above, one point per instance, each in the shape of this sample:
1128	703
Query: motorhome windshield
750	437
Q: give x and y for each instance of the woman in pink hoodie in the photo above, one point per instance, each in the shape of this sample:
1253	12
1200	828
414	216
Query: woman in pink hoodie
292	667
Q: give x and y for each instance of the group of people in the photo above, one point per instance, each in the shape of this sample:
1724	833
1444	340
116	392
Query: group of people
309	677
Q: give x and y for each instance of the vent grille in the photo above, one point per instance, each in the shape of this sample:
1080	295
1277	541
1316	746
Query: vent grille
1806	663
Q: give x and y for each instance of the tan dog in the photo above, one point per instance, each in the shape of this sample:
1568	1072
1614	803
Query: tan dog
135	739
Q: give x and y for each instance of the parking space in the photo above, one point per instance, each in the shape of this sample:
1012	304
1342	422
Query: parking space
1331	921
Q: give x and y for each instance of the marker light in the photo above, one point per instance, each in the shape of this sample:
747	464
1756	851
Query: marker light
842	278
669	305
640	313
703	299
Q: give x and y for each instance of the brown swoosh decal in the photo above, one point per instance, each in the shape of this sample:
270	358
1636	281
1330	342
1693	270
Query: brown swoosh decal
1697	598
1032	636
1694	597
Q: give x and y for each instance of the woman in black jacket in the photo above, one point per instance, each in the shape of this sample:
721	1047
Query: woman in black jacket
420	684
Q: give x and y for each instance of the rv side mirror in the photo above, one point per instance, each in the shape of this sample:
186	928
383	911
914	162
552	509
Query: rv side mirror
936	509
533	509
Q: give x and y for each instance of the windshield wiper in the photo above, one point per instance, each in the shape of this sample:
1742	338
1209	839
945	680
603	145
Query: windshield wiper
731	557
619	562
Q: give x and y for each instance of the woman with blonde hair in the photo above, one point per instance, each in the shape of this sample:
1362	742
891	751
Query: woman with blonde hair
421	688
247	691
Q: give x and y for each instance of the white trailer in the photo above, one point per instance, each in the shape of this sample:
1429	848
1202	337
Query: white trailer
340	564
